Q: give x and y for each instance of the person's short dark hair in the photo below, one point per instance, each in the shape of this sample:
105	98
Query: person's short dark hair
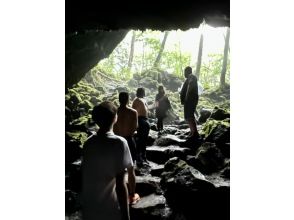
188	70
161	89
140	92
123	98
104	114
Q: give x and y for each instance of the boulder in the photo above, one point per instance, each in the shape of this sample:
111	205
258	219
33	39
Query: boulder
208	159
217	131
204	115
169	129
189	192
156	169
167	140
160	154
146	185
151	207
219	114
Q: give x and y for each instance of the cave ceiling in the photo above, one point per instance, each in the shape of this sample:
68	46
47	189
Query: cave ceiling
93	30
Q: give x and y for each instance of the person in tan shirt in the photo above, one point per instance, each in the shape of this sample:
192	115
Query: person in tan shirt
140	105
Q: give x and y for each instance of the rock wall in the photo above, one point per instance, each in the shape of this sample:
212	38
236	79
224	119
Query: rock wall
84	50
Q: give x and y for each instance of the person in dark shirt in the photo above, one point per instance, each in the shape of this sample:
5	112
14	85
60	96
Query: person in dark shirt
162	104
189	98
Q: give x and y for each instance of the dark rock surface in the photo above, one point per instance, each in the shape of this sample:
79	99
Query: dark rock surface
167	140
183	184
161	154
204	115
219	114
151	207
217	131
184	178
146	185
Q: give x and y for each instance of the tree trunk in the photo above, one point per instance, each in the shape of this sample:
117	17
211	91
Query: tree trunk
161	50
181	62
198	66
225	60
132	51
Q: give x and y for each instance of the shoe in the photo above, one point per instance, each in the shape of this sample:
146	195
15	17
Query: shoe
134	199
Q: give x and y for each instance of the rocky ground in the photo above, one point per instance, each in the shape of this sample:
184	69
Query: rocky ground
185	179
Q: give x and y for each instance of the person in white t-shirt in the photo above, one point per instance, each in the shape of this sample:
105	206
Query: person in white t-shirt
106	156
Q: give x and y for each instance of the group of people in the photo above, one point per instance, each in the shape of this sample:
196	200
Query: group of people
112	151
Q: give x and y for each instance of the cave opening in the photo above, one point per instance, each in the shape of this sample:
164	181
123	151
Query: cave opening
183	179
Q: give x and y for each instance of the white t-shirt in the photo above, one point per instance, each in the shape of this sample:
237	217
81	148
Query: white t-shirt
105	156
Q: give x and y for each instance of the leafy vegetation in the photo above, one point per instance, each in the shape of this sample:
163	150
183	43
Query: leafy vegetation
147	59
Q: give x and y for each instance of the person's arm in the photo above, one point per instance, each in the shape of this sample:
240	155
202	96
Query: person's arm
188	91
183	92
132	180
135	122
122	196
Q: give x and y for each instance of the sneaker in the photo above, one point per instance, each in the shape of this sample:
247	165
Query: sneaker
134	199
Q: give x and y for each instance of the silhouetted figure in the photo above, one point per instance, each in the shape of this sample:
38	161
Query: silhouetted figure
189	98
162	104
126	125
127	122
105	158
140	105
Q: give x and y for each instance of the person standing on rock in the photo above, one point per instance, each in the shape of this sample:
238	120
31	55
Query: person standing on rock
105	158
126	125
189	98
127	122
140	105
162	104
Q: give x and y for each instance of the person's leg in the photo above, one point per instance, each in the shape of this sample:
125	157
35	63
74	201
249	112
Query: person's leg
189	113
146	129
160	123
132	146
193	127
140	141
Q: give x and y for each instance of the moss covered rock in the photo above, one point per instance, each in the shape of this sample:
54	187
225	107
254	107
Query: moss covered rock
217	131
219	114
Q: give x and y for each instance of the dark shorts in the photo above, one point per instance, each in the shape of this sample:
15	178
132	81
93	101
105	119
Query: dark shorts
132	146
189	110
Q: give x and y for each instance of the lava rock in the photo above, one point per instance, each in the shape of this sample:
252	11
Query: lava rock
189	192
204	115
151	207
167	140
219	114
160	154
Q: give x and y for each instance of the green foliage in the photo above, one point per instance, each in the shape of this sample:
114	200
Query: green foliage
93	88
210	124
78	136
211	70
175	62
